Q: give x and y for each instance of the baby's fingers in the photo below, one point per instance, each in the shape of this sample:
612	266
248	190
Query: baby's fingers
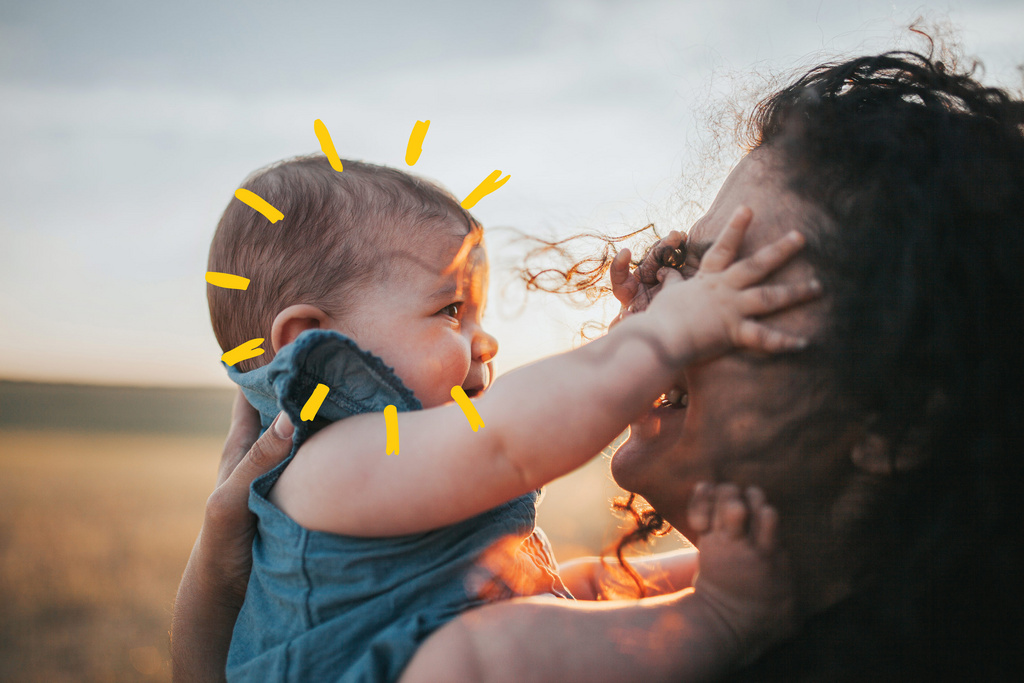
624	287
767	530
772	298
763	520
658	257
723	252
766	260
759	337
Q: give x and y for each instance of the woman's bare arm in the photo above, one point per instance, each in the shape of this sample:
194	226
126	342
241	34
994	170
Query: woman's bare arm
742	604
676	637
213	586
587	578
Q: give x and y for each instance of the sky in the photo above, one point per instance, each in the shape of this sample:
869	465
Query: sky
125	128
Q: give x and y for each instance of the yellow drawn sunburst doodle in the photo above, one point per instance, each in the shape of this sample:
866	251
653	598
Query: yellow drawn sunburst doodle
251	348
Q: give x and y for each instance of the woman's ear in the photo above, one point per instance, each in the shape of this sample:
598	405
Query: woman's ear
875	455
293	321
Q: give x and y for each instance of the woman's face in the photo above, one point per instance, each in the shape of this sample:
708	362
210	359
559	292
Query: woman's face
741	406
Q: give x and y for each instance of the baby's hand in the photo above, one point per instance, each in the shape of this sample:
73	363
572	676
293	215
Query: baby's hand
712	311
743	577
635	289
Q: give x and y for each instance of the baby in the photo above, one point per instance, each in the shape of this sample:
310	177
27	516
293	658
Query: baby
374	284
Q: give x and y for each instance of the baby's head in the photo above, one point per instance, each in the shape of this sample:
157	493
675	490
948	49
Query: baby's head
389	259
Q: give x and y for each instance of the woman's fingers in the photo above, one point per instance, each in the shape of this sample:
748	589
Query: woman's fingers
773	298
766	260
723	252
227	509
245	427
268	451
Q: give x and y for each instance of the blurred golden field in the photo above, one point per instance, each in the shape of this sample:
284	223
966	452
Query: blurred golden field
96	528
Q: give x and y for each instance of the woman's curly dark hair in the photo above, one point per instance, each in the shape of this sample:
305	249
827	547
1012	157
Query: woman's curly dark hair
916	171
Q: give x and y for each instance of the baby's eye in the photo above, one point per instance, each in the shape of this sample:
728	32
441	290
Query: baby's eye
452	309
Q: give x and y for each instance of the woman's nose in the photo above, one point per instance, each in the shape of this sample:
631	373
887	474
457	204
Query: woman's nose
485	346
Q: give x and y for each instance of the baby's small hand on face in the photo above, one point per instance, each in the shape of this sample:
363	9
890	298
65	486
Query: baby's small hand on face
743	572
635	289
718	309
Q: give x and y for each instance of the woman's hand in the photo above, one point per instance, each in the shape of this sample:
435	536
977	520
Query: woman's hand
213	586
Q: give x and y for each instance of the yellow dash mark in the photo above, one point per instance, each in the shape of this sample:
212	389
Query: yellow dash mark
249	349
316	400
419	131
483	189
327	145
227	280
459	394
259	203
391	425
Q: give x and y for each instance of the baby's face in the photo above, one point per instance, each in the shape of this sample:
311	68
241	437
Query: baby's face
424	318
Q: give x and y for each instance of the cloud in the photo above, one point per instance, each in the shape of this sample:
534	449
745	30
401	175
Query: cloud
127	126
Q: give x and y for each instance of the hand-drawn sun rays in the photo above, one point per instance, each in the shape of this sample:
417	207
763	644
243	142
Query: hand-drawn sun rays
250	198
251	348
415	146
486	186
327	145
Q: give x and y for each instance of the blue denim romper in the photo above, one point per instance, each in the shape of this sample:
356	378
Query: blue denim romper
325	607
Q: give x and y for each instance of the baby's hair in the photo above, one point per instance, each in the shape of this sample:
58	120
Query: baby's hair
334	238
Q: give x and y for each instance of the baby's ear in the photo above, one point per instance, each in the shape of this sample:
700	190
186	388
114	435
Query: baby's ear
293	321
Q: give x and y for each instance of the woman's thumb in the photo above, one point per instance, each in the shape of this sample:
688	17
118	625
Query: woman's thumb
269	450
283	426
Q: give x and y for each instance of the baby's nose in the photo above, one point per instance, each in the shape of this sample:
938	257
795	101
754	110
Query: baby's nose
485	347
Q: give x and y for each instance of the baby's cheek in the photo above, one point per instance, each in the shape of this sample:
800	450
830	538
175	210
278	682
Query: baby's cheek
447	366
456	363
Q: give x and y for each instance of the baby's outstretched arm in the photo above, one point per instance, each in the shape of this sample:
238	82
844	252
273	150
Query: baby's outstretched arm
543	420
741	604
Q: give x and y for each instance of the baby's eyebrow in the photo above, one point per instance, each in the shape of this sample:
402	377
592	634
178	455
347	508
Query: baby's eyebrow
446	290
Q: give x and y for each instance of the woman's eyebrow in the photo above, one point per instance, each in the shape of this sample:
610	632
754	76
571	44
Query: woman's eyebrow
698	249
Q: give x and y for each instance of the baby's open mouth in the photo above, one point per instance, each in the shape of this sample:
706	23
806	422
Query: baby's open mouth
674	397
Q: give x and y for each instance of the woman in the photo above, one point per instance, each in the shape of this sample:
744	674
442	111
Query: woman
892	446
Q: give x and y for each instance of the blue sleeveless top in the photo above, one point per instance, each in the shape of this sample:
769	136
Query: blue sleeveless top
325	607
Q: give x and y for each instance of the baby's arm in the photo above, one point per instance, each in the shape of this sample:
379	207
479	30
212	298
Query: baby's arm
739	606
543	420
